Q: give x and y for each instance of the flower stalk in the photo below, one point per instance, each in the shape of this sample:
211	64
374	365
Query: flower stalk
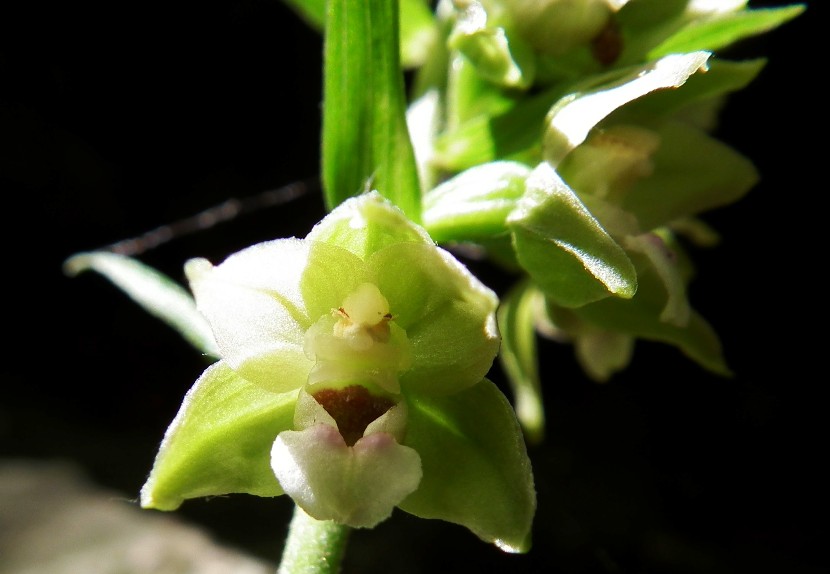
313	546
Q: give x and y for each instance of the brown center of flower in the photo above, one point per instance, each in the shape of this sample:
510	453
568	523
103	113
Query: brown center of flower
352	408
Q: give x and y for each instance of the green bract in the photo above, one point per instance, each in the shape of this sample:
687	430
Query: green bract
353	364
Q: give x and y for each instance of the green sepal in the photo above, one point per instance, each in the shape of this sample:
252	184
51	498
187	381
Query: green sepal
448	316
517	316
498	56
476	471
722	30
476	202
571	119
366	224
721	79
602	353
155	292
219	442
686	184
365	135
640	317
564	248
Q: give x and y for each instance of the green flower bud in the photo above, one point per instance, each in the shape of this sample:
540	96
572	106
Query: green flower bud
554	27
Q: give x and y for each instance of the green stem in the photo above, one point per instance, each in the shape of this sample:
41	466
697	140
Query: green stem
313	546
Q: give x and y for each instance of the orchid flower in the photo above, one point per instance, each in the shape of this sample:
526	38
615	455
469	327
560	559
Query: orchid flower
351	376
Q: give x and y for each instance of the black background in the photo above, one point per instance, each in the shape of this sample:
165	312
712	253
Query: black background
117	118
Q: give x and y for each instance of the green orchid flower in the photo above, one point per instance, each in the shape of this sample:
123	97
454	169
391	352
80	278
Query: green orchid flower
352	378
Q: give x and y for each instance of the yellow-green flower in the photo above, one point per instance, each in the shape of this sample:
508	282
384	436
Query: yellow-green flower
352	366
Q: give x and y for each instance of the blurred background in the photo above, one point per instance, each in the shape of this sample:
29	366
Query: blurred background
118	118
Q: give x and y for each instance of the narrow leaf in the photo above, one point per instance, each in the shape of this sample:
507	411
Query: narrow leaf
155	292
365	137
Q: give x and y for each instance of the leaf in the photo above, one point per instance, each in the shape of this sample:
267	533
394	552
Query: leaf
723	30
365	136
563	248
517	318
155	292
476	471
220	441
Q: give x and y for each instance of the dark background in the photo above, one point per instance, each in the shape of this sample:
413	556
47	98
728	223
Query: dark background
117	118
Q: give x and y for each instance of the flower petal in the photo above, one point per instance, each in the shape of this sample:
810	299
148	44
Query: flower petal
332	274
253	303
358	486
447	313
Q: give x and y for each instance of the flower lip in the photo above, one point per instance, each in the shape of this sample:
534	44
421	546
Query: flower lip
353	408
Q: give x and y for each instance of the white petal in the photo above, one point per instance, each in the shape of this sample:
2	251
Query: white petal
358	486
252	301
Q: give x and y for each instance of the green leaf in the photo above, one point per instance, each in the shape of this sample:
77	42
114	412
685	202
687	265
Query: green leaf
686	184
722	30
220	441
155	292
365	137
517	318
475	464
476	202
563	248
572	118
